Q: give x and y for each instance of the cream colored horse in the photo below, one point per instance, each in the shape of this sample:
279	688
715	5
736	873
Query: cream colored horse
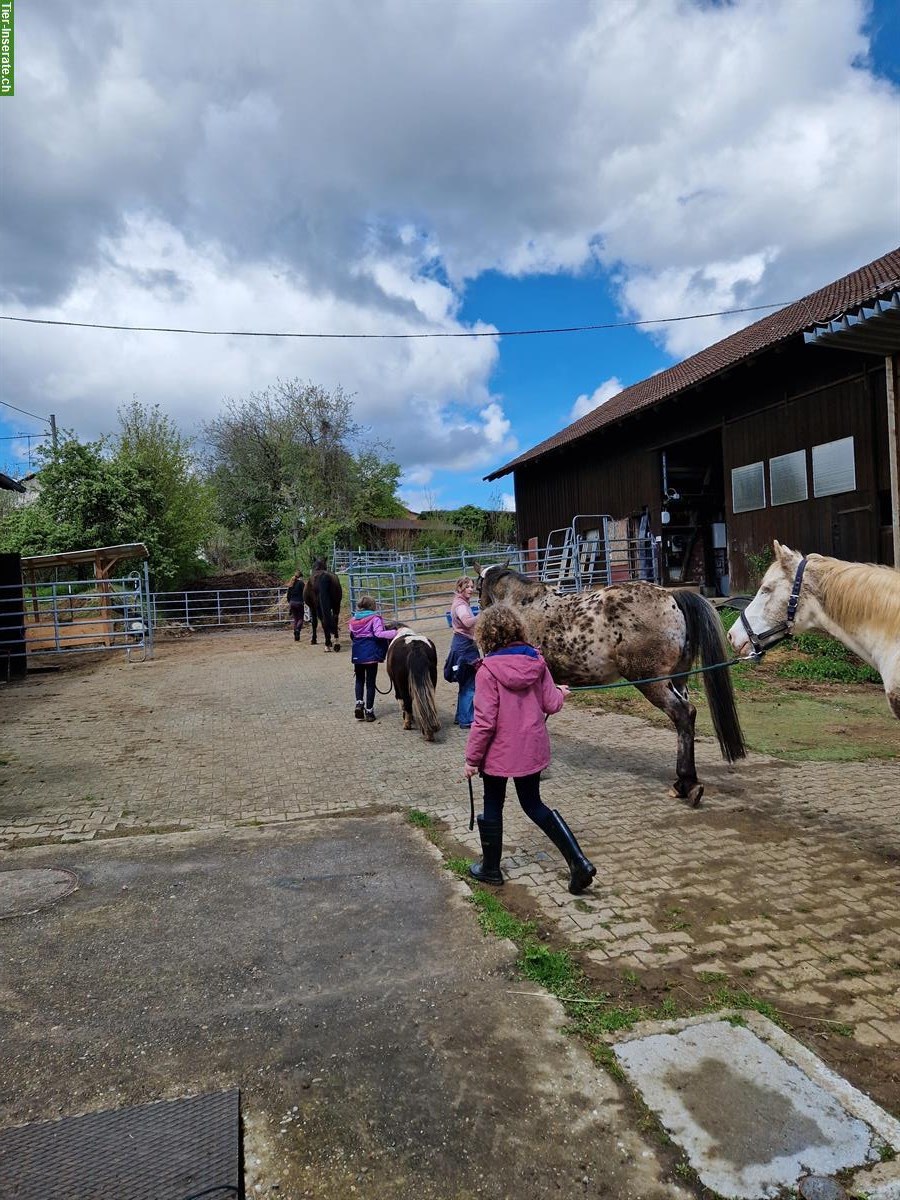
857	603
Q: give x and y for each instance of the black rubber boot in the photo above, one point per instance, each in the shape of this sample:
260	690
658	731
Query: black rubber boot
581	869
488	870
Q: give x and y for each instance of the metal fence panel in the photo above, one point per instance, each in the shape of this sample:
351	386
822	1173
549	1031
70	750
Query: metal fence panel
70	616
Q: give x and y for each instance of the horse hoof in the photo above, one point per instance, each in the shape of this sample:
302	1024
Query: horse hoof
675	794
695	795
336	647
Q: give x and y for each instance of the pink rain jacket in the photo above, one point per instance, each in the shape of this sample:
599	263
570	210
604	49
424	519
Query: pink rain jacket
513	692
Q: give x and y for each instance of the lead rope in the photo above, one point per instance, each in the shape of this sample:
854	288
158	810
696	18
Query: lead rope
602	687
471	805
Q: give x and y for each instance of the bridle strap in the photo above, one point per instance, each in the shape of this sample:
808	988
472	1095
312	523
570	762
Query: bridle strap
761	642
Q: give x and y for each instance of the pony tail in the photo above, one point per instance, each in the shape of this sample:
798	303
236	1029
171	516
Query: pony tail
421	691
706	639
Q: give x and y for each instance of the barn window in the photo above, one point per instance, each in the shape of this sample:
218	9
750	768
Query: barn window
748	487
787	478
834	468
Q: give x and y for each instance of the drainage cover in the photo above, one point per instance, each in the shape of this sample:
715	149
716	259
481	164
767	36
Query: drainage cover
32	888
164	1151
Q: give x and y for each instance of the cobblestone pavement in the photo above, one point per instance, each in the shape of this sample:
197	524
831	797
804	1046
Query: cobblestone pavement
788	875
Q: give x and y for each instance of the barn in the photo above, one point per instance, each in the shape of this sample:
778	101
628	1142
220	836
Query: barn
787	429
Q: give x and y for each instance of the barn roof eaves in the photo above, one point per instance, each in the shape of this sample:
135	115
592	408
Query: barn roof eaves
866	284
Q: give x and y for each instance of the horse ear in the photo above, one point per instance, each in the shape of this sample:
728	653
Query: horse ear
477	568
506	564
783	554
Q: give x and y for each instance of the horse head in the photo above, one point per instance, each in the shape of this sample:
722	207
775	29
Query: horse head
487	579
767	619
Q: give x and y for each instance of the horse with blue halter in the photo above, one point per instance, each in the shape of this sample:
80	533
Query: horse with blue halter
634	631
857	603
412	669
322	595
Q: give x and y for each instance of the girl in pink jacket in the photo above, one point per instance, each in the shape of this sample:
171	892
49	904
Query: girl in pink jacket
514	692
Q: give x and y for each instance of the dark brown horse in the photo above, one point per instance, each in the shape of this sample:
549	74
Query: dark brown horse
633	631
323	595
412	669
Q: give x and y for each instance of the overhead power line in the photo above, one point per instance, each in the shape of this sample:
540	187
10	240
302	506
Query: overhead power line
725	312
26	413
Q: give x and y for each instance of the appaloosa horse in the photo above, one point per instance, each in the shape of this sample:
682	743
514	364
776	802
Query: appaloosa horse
636	631
412	668
857	603
323	595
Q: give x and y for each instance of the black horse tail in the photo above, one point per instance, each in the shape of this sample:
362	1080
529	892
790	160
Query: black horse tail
706	641
421	677
327	614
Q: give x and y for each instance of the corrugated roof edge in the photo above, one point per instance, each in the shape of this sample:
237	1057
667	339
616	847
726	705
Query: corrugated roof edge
864	284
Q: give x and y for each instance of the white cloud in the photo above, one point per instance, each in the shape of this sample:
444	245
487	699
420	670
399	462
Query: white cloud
585	404
359	163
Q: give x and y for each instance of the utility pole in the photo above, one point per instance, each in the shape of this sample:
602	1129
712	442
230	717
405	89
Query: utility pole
53	431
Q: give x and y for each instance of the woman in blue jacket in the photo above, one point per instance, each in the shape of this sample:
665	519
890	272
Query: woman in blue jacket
368	639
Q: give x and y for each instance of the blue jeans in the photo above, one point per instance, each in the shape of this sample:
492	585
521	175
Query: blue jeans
465	704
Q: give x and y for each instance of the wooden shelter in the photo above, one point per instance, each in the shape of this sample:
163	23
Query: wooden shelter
54	620
786	429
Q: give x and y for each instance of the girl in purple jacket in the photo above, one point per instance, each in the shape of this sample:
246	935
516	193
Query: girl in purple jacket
368	641
514	692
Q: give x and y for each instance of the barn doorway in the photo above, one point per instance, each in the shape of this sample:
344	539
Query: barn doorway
694	543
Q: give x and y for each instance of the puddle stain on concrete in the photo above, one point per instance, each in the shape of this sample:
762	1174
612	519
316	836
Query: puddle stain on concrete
739	1116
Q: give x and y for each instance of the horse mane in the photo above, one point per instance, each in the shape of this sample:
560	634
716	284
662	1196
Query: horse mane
512	573
858	594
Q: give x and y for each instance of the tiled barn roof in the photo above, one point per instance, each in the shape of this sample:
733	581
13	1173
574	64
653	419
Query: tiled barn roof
864	284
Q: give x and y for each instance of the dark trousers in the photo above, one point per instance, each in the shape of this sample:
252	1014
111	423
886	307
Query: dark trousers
296	614
528	790
365	677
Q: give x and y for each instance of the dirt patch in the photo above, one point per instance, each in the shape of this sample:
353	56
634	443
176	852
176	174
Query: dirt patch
232	579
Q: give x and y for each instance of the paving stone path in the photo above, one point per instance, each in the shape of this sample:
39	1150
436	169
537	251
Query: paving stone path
789	874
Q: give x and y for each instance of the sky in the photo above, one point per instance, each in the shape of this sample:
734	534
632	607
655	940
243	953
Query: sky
424	167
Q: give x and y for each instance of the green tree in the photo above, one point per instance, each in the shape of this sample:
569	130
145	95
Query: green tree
176	504
289	466
86	499
139	486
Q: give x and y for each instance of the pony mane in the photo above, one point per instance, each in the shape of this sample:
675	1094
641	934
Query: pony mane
857	594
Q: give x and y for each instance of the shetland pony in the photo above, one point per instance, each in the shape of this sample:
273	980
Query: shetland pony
412	668
634	631
857	603
322	594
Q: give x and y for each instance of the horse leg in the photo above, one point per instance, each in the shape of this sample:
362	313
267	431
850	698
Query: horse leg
674	702
407	711
314	621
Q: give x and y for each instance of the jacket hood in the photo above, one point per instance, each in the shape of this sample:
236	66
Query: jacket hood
518	672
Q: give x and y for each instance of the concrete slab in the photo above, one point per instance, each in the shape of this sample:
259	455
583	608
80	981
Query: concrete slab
333	972
753	1114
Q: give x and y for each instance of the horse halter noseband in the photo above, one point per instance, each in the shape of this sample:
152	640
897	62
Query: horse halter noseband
761	642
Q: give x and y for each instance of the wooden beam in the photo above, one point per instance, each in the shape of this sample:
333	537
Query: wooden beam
892	371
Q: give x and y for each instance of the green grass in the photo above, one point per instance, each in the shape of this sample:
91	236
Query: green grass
420	819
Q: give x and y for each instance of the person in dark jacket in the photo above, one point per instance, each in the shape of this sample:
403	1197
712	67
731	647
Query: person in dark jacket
369	637
514	693
295	603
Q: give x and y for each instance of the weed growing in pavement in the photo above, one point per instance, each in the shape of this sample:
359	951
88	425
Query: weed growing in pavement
726	997
459	866
422	820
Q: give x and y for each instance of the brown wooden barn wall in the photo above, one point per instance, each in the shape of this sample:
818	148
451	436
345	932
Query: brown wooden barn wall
788	399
